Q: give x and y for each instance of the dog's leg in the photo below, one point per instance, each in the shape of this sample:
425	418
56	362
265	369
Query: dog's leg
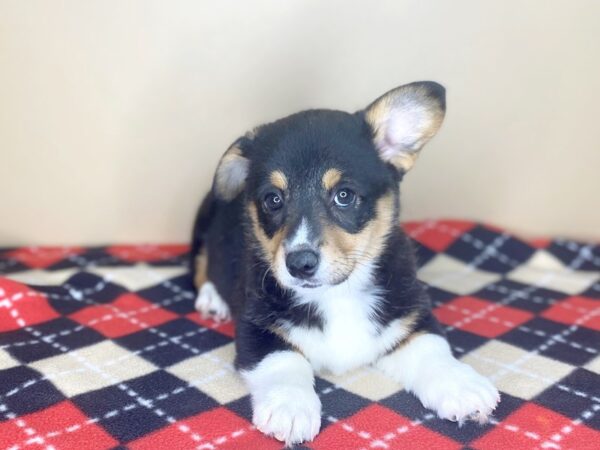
454	390
284	402
210	304
208	301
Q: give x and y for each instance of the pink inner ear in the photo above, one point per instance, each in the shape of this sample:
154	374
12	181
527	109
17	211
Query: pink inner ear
404	130
231	176
387	147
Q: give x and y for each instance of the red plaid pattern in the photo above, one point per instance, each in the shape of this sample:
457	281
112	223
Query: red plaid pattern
146	253
59	426
435	235
532	426
101	348
22	306
575	310
480	317
41	257
218	428
378	427
134	314
226	328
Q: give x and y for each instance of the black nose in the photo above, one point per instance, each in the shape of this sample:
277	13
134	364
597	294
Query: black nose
302	263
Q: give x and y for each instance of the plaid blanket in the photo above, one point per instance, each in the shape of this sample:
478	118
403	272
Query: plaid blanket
101	348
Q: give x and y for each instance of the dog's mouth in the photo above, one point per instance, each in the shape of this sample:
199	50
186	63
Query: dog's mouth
314	284
310	285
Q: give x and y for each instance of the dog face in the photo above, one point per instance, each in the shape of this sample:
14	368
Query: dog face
321	187
319	199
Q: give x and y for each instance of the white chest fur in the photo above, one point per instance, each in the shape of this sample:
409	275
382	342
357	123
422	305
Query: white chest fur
350	337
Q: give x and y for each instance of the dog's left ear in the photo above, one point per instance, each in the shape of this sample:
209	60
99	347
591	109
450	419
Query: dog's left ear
404	119
232	171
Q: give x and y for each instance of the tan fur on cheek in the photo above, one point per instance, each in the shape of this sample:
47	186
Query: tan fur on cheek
269	246
330	178
382	225
345	250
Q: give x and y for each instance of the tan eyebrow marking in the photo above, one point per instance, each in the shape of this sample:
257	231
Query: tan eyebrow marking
331	178
279	180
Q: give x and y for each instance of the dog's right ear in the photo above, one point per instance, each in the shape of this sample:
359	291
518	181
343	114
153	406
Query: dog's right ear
404	119
232	171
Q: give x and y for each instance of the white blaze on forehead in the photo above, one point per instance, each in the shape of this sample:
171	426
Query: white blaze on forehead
300	237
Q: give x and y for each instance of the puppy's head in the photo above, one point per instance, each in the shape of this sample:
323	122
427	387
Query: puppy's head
321	187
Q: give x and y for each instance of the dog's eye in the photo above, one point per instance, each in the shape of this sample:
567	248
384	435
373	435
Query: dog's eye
273	202
344	198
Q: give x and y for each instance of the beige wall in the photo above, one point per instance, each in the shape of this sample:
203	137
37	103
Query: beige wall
114	113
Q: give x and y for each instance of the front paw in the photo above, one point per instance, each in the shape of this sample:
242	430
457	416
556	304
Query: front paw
288	413
457	392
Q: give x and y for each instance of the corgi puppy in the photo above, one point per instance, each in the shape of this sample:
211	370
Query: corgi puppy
299	242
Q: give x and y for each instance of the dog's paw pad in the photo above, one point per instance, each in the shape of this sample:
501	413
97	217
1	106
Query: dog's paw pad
210	304
460	394
289	414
